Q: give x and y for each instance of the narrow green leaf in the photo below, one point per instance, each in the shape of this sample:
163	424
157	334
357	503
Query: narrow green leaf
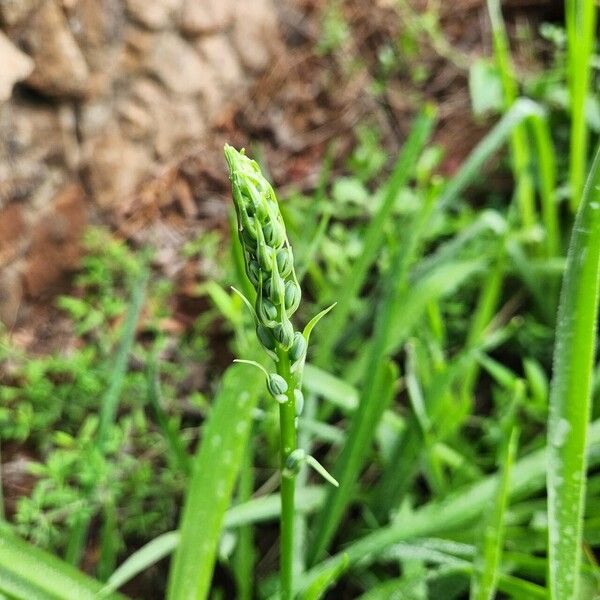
487	305
257	510
140	560
485	580
244	558
175	444
547	183
28	573
521	110
452	513
502	375
346	296
580	18
111	398
325	580
224	302
489	221
313	322
376	397
215	470
519	142
267	508
404	463
340	394
570	393
410	307
523	265
406	586
110	401
336	390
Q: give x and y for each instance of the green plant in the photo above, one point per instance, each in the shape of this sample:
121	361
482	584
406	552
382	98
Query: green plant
73	478
416	389
269	265
570	393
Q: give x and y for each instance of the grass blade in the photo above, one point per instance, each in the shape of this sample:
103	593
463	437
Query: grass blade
519	143
113	393
374	397
268	508
215	470
175	445
521	110
452	513
140	560
408	448
373	239
570	393
547	182
399	589
377	395
486	307
580	17
439	283
377	386
335	390
110	401
484	583
257	510
28	573
326	579
244	558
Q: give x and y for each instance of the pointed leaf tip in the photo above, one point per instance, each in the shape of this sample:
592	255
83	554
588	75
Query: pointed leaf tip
311	324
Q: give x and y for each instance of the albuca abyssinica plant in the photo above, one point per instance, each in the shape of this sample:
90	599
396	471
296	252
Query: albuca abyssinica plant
269	263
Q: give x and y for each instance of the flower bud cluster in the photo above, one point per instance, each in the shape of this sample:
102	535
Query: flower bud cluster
268	255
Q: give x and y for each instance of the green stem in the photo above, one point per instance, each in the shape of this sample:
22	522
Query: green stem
287	425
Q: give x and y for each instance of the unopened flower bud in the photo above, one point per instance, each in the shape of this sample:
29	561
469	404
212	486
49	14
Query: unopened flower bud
277	384
253	272
277	387
265	257
284	262
259	208
298	348
265	310
265	336
274	234
249	233
292	295
273	288
261	212
284	333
